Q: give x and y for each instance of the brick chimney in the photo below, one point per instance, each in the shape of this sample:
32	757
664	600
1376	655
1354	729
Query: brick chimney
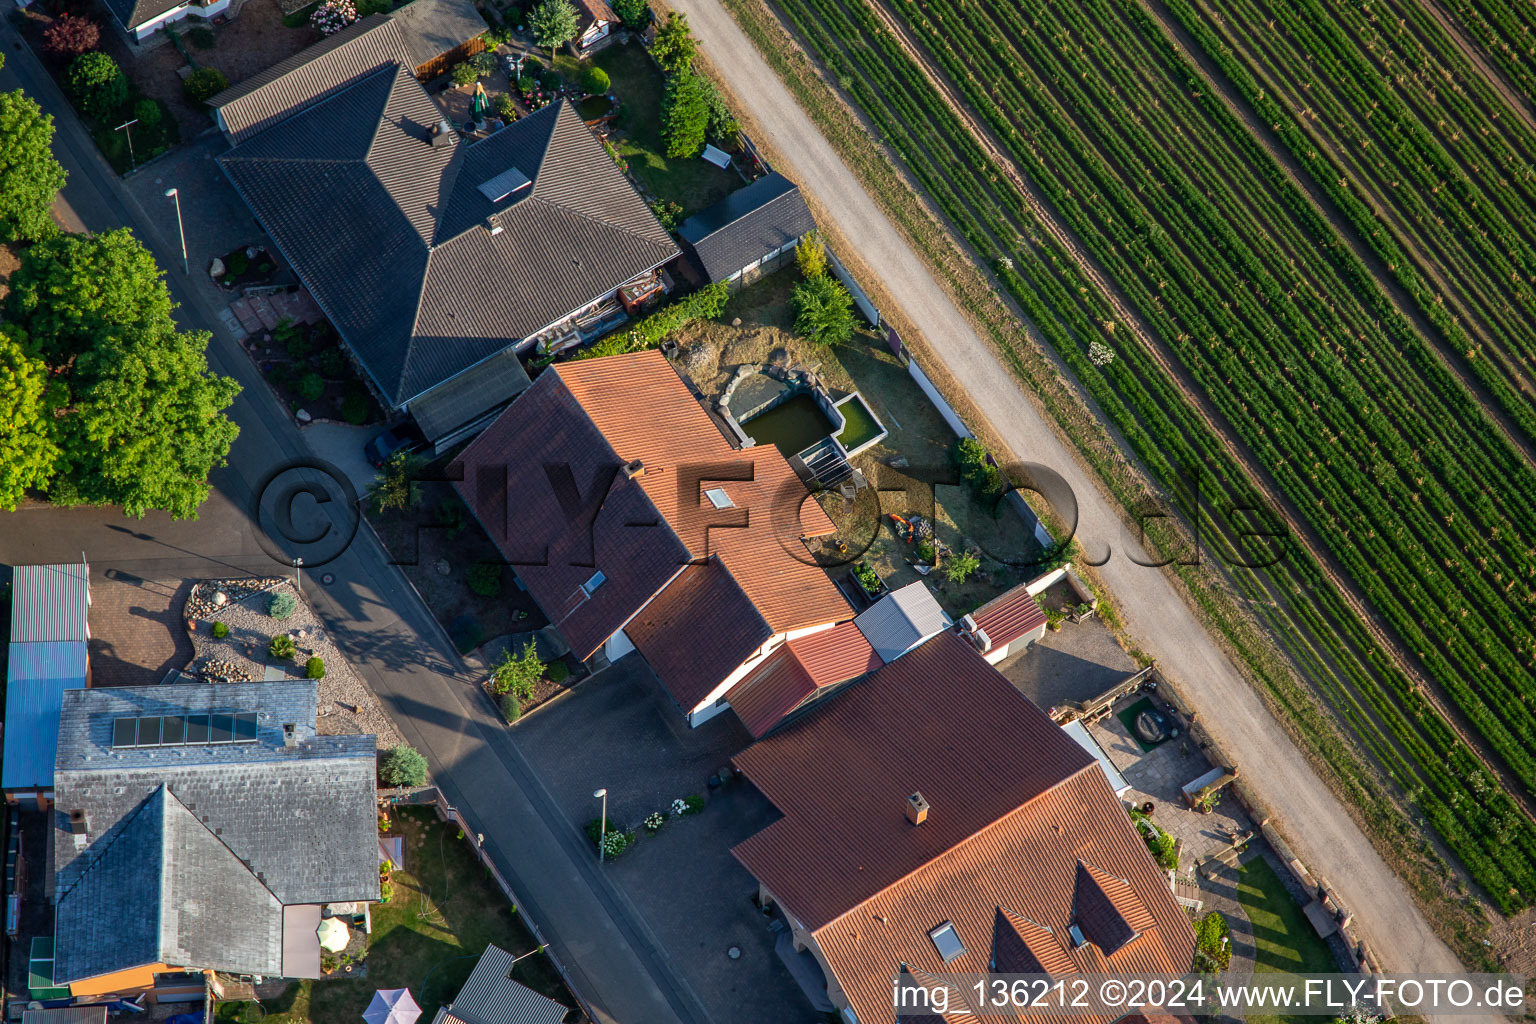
290	735
917	809
77	822
634	468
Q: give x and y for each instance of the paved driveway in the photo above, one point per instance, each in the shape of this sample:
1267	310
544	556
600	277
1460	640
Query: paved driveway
1305	809
1076	663
613	731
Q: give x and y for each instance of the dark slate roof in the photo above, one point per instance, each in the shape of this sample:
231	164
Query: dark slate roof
301	818
393	235
311	75
468	396
490	996
164	889
747	224
434	27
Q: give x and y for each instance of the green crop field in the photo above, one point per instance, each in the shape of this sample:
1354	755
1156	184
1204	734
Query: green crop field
1379	403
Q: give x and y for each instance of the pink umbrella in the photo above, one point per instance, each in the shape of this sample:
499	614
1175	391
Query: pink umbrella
392	1006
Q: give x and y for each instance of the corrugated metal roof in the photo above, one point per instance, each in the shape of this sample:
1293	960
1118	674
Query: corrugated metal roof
50	603
36	677
796	670
1009	616
309	76
66	1015
490	996
1015	805
432	28
470	395
392	235
697	631
746	225
901	620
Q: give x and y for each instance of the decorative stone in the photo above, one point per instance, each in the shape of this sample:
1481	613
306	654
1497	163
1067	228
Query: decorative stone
220	599
303	416
735	321
216	269
443	568
251	252
734	952
898	462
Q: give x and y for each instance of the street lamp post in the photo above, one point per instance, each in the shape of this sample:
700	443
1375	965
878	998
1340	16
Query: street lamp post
602	795
126	128
175	196
298	568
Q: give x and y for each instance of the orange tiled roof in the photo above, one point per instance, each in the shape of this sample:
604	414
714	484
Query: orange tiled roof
800	667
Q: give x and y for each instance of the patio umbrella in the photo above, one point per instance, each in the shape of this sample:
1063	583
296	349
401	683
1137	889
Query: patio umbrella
392	1006
333	934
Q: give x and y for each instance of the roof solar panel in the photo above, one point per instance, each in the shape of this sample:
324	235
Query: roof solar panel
504	184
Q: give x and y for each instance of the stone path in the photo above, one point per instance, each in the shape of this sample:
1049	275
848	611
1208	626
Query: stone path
253	313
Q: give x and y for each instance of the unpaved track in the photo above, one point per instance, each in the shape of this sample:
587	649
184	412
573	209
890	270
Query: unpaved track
1324	835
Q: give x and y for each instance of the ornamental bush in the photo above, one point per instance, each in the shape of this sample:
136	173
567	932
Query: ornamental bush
823	310
204	84
148	113
281	605
98	85
484	578
504	107
403	766
220	630
282	647
594	80
333	15
811	255
314	668
463	73
332	362
311	386
70	36
518	674
511	707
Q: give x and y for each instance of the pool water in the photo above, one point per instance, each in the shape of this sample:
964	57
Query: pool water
594	107
862	426
791	426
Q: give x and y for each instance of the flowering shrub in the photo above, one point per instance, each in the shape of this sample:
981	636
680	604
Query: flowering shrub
333	15
679	806
654	821
615	843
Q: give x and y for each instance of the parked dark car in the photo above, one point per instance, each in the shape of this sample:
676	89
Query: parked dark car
402	437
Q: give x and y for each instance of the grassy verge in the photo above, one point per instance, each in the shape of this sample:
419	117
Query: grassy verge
1458	919
1284	939
445	911
638	83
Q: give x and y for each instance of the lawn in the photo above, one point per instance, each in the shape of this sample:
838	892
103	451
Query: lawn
445	911
1285	941
638	83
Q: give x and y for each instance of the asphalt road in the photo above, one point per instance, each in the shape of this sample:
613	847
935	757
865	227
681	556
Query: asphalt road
369	608
1311	818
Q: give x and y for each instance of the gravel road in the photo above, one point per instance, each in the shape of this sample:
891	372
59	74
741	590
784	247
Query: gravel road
1317	825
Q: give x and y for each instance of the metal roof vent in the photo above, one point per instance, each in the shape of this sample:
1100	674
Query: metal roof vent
442	134
917	808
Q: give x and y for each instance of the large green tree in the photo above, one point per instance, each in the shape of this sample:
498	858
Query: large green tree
684	114
30	178
674	46
553	24
28	454
141	422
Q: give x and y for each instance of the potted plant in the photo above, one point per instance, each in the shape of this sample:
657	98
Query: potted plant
868	580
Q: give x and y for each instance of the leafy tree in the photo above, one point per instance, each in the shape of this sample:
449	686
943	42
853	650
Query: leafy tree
403	766
722	127
518	675
594	80
204	84
142	422
30	177
70	36
396	488
958	567
811	255
28	454
684	115
98	84
463	73
553	24
674	46
632	13
823	310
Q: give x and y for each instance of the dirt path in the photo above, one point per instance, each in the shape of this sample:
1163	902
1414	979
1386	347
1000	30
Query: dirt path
1320	827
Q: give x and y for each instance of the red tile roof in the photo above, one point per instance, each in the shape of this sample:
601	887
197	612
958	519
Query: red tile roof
797	669
704	602
1015	807
1009	616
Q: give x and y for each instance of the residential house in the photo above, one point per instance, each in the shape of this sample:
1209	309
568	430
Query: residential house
596	27
49	653
937	822
636	525
204	828
437	259
1005	625
490	996
143	18
749	233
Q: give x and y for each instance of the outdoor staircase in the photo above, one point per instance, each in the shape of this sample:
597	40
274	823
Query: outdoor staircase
826	462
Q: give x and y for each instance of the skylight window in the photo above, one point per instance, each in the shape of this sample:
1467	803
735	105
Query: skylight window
592	584
718	498
947	942
1078	939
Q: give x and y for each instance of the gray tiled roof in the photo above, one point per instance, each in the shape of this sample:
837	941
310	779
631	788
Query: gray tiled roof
164	889
490	996
746	225
432	28
394	237
309	76
298	822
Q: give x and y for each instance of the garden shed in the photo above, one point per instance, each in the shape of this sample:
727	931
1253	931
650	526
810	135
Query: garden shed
750	232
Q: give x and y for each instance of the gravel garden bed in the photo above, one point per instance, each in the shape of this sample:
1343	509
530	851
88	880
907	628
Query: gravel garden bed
347	705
